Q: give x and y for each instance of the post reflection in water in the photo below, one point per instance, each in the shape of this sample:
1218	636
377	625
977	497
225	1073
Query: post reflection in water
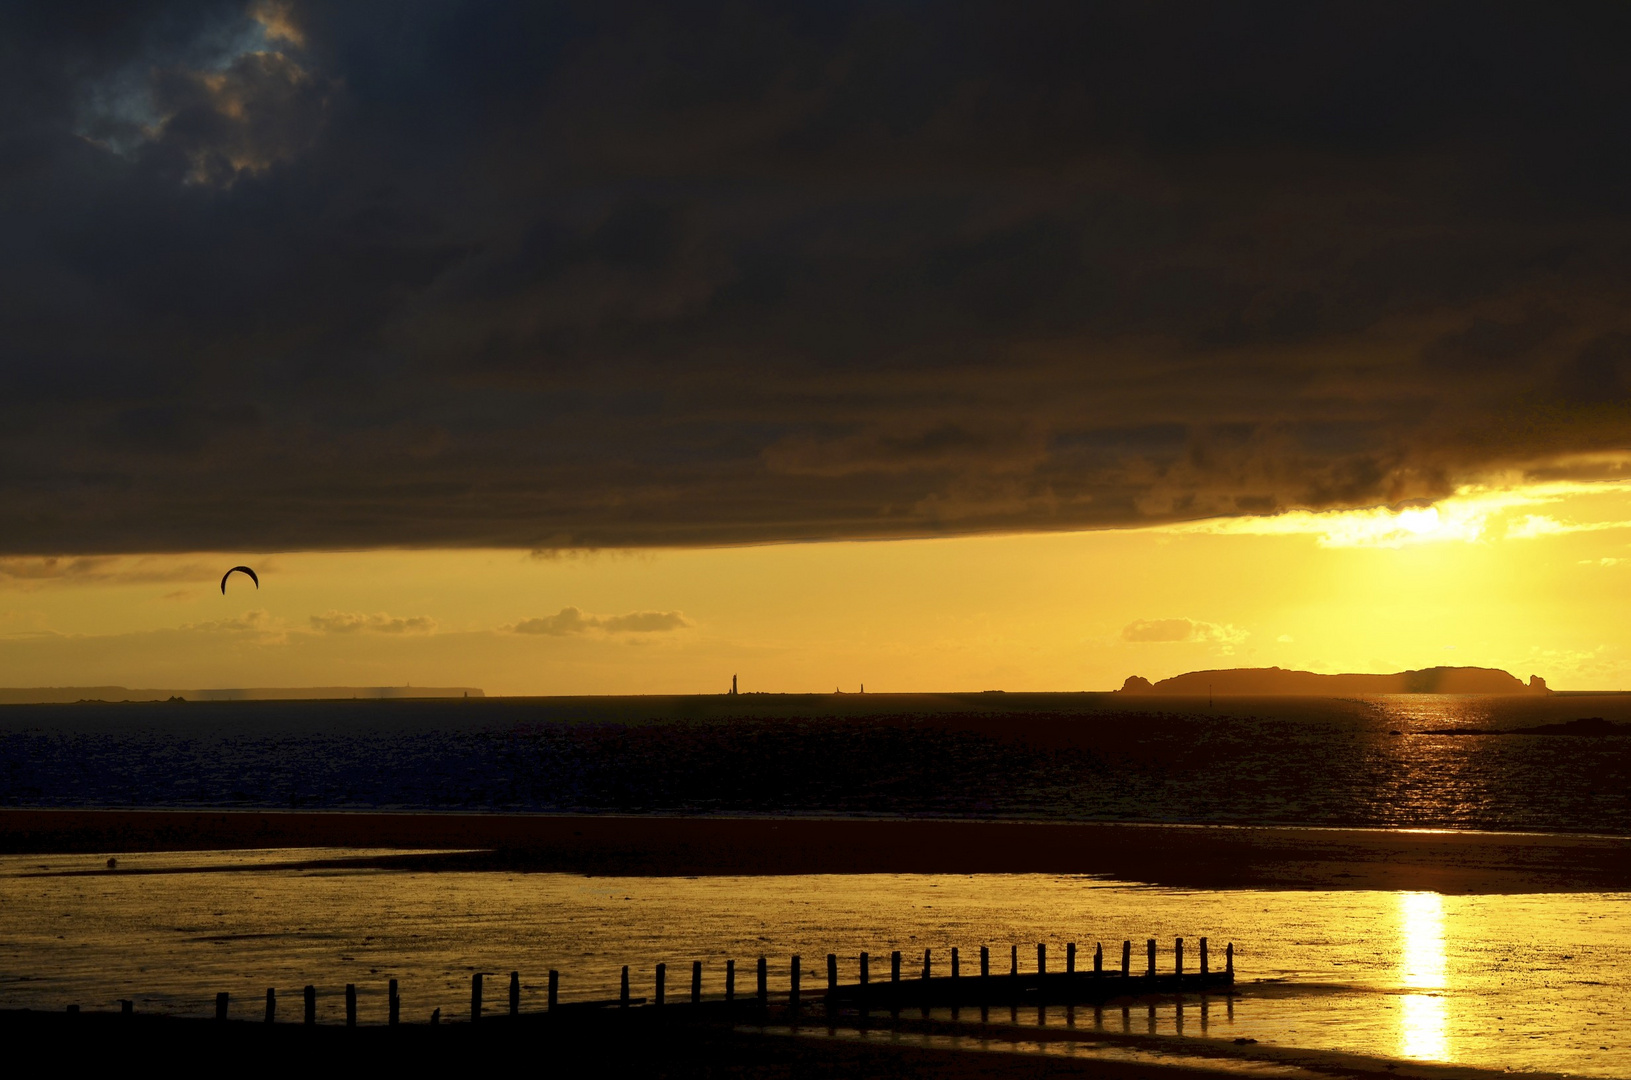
1421	968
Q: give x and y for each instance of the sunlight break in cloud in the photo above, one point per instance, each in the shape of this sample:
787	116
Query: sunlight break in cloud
570	620
276	19
1464	517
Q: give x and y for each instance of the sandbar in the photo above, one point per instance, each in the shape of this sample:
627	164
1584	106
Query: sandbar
1201	857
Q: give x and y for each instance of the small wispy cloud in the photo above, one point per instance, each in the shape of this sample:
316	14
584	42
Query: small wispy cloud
379	622
570	620
1533	526
38	570
256	625
1176	630
256	621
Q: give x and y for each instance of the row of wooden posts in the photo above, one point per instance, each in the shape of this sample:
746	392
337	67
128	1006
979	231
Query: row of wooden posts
393	998
1061	985
1203	979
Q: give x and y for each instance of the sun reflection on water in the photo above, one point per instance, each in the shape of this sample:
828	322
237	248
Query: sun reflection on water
1421	968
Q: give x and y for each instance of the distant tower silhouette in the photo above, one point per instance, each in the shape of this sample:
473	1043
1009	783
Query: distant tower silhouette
733	686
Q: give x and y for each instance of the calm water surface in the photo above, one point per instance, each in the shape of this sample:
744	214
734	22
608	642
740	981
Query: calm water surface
1030	756
1531	982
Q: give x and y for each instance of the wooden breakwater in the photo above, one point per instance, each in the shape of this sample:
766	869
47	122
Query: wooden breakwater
933	980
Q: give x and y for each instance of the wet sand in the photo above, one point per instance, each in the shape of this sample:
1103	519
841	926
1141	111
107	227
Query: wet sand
1200	857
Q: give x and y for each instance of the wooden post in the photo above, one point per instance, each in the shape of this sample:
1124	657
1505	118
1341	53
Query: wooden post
894	967
1229	960
1126	959
271	1005
764	983
554	989
696	982
475	997
350	1004
1149	947
623	992
1178	958
515	993
926	965
1098	958
1041	958
730	982
1070	958
832	975
866	969
393	1005
662	976
793	991
985	962
311	1004
127	1007
73	1011
220	1005
1013	961
1204	969
956	971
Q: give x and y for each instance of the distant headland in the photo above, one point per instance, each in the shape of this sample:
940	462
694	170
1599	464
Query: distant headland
1235	682
61	695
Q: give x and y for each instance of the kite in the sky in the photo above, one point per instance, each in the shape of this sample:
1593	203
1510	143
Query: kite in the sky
237	569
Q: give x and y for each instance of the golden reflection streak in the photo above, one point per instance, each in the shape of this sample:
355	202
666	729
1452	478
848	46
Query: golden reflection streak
1421	967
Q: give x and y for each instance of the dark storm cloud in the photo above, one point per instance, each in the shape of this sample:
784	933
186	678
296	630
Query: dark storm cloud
350	274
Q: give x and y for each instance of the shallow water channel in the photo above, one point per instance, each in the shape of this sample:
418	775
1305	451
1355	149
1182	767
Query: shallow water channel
1530	981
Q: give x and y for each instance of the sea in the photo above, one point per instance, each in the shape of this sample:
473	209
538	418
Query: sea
1395	761
1525	982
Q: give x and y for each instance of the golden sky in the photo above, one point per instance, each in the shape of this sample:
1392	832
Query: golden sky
1532	579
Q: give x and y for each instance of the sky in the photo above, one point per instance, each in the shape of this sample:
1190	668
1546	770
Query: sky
1533	581
621	347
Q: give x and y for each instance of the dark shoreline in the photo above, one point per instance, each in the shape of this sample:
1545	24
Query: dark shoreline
1201	857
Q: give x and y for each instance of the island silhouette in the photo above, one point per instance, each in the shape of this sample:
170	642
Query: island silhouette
1237	682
